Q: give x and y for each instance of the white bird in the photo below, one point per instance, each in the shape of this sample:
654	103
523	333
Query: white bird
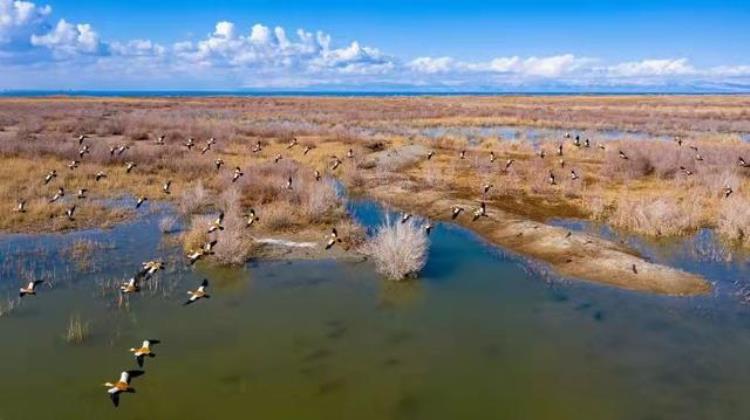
81	138
551	178
131	286
140	201
336	163
200	293
332	238
508	163
350	154
73	164
50	175
129	166
82	193
317	175
277	158
190	143
160	140
237	174
100	175
30	289
122	385
728	191
257	148
622	155
218	163
69	212
58	195
166	187
84	150
306	151
194	255
462	154
251	218
292	143
492	157
144	351
430	154
456	210
573	175
481	211
405	217
217	224
289	183
21	206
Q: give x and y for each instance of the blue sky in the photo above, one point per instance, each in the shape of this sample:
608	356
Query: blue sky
471	45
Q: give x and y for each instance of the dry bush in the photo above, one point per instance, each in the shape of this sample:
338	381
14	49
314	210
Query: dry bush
193	199
197	234
398	249
734	220
657	217
234	244
278	216
321	201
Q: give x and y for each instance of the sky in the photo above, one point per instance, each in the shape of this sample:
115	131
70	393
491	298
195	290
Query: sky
468	45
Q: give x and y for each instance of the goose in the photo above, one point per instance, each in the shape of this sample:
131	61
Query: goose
317	175
456	210
251	218
218	163
336	163
559	149
84	150
634	268
292	143
190	143
405	217
217	224
428	228
622	155
211	141
306	151
200	293
194	255
122	149
481	211
333	238
462	155
601	146
492	157
573	175
562	163
430	154
237	174
151	267
129	166
678	140
160	140
486	188
82	193
100	175
728	191
257	148
577	141
58	195
541	153
205	149
131	286
140	201
587	143
112	150
73	164
166	187
30	289
741	162
551	178
144	351
694	148
508	164
350	154
567	135
686	171
698	157
289	183
122	385
69	212
277	158
208	247
81	138
50	175
21	206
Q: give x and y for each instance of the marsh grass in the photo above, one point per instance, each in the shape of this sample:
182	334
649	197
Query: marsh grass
78	330
8	305
82	252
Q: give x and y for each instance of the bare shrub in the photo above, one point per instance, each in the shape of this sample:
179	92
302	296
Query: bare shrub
193	199
398	249
321	201
197	235
734	220
234	244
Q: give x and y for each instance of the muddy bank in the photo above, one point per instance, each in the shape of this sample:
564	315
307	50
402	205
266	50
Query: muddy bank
574	254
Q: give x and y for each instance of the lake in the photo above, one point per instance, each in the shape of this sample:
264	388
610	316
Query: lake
482	334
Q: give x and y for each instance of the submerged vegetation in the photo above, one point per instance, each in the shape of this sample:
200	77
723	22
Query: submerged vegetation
78	330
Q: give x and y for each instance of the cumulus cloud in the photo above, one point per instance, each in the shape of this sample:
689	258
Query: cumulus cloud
260	55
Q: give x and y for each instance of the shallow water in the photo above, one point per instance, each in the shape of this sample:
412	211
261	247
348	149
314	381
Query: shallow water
481	334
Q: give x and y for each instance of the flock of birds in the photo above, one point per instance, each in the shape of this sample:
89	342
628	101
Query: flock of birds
150	268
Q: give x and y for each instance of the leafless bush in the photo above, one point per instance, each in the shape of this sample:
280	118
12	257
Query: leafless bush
321	201
398	249
734	220
193	199
234	245
661	216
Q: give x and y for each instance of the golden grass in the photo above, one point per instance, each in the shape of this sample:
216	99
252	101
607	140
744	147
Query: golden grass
78	330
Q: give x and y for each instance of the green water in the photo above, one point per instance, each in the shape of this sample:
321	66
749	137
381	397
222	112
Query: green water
479	335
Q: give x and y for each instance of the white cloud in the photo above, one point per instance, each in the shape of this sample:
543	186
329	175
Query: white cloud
67	39
432	65
18	20
652	68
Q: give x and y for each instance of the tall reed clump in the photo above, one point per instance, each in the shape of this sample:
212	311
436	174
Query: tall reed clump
399	250
78	330
659	217
8	305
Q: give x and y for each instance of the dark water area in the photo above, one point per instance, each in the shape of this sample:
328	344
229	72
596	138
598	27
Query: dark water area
481	334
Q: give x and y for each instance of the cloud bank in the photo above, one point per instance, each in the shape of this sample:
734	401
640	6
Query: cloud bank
38	51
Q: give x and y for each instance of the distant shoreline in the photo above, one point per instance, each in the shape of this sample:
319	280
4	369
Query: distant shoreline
332	93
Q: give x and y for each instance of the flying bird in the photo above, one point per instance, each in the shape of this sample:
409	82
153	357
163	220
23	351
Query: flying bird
50	176
217	223
237	174
455	211
332	238
166	187
144	351
122	385
29	290
218	163
198	294
58	195
251	218
140	201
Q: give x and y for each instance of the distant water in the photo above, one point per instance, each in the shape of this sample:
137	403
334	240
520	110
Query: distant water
287	93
